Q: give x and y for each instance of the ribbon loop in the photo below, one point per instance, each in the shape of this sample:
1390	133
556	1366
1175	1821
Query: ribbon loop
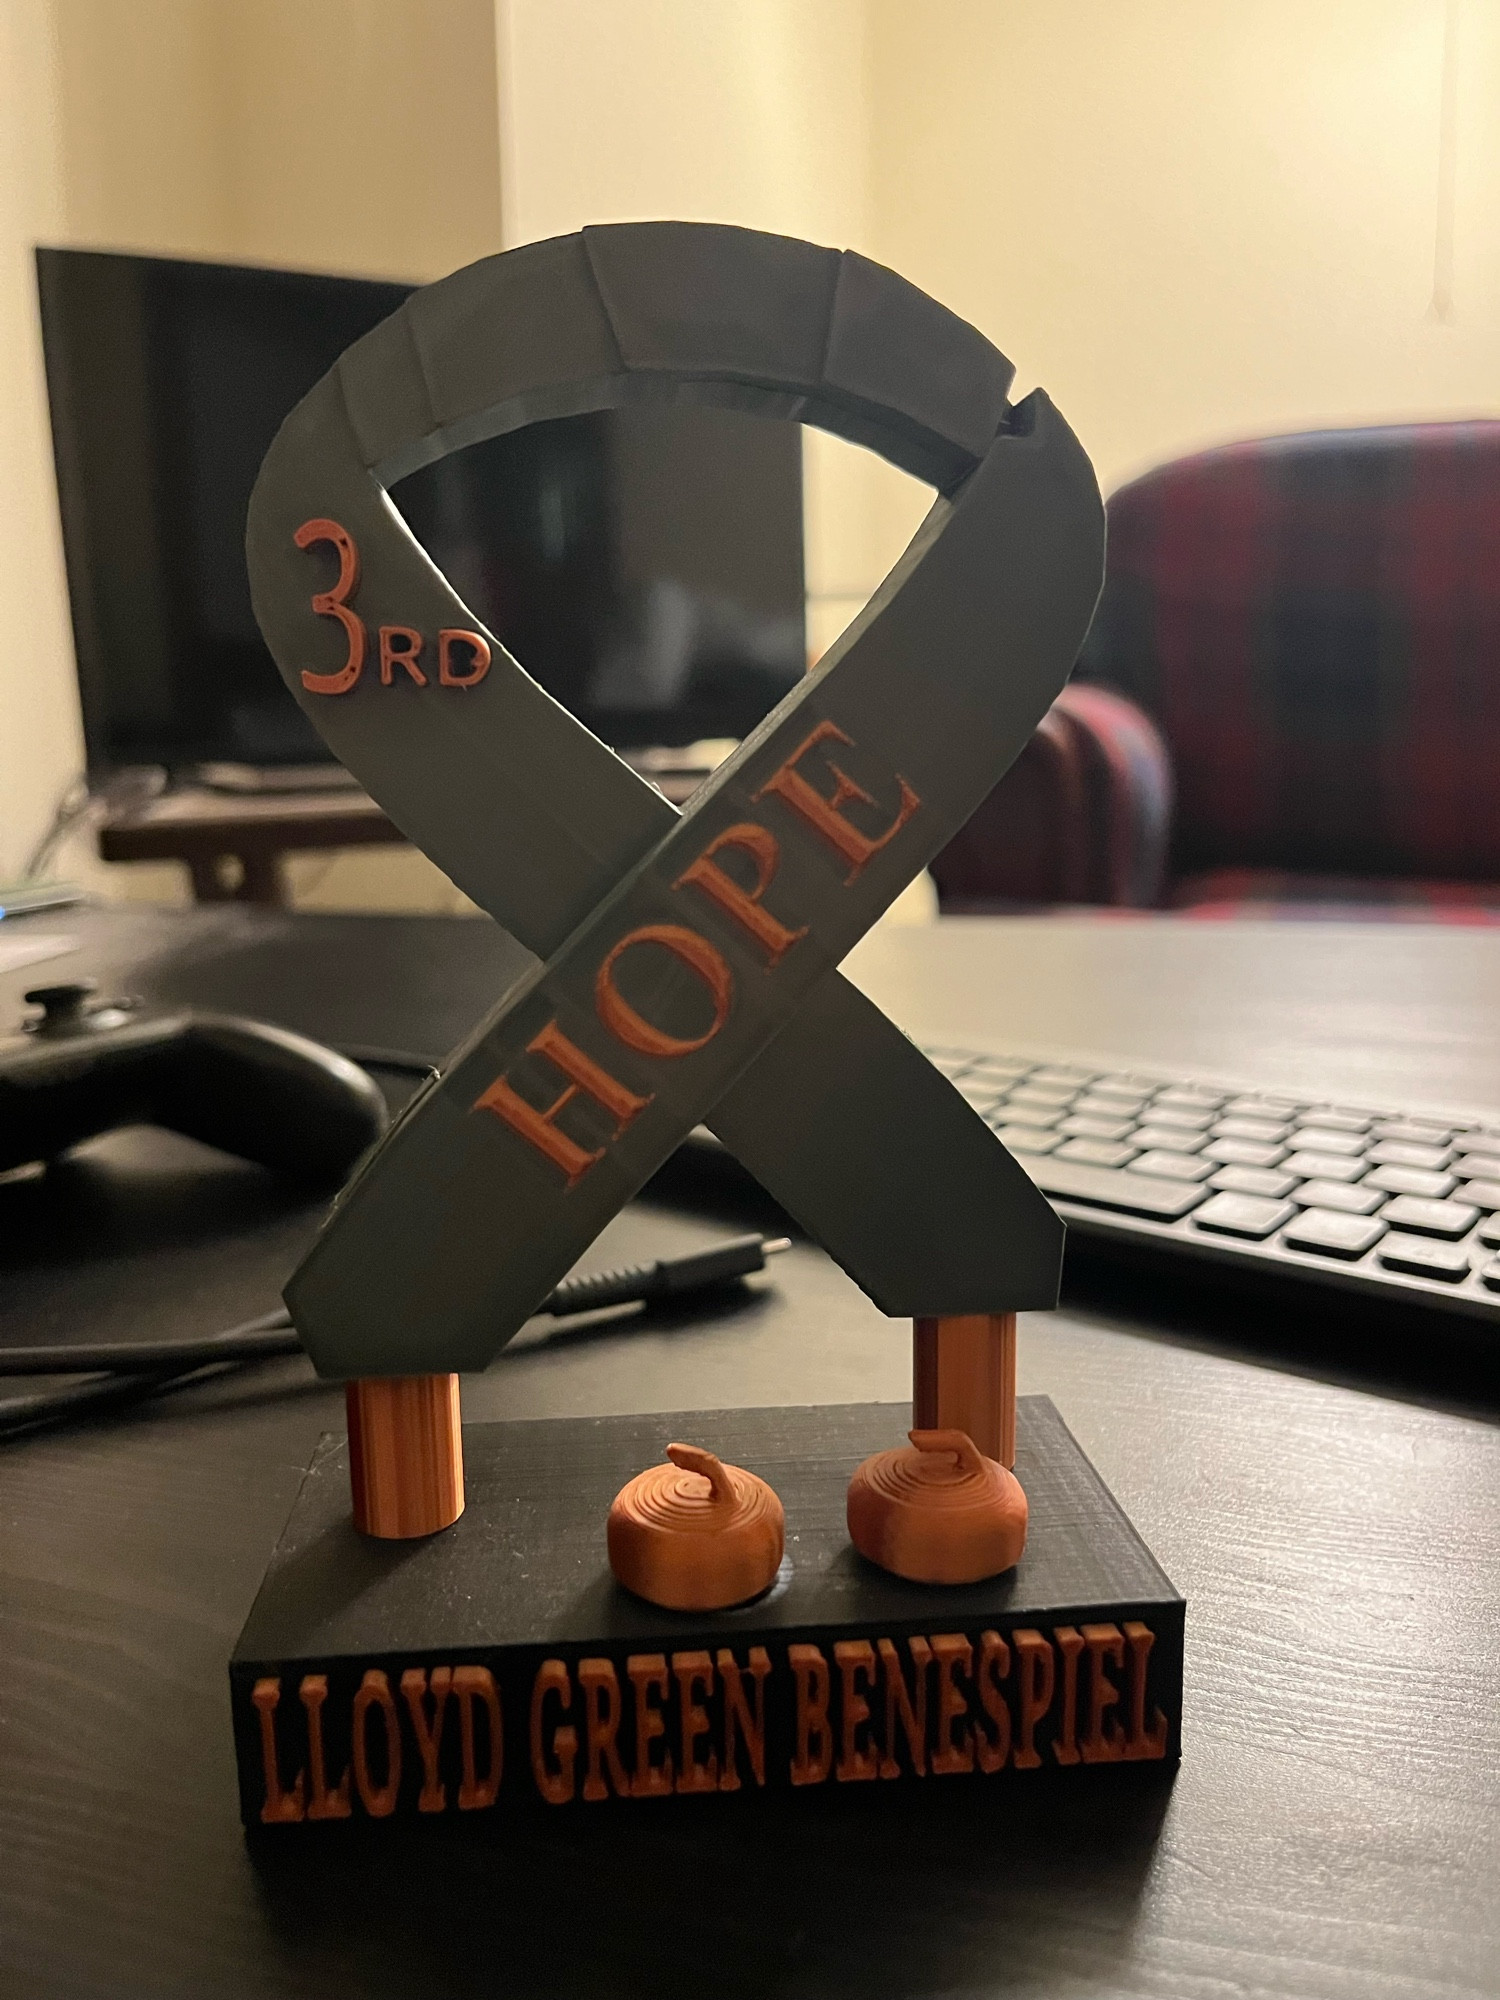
688	960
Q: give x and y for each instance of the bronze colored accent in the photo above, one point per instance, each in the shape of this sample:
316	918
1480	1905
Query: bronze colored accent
479	646
695	1535
633	1029
825	814
393	656
964	1379
335	604
539	1127
744	905
940	1512
406	1455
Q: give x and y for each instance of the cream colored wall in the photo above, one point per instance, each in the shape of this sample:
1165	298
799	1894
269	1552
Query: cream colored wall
748	111
40	741
1190	221
1195	221
353	135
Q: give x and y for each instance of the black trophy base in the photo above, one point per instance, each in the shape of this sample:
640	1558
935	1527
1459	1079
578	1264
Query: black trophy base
498	1667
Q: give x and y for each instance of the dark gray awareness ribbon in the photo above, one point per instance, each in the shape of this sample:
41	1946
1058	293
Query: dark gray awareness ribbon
687	960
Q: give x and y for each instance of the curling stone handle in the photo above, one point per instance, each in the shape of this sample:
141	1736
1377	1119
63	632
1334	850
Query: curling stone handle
693	1458
970	1458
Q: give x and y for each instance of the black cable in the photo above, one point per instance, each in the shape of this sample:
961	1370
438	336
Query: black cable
273	1333
371	1056
100	1392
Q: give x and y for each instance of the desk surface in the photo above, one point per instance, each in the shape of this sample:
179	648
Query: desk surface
1333	1830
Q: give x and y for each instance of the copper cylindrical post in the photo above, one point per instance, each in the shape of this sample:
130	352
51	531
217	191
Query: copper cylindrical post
406	1455
964	1379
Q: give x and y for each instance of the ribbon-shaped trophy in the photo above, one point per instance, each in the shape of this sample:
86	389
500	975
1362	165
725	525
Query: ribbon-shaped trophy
686	973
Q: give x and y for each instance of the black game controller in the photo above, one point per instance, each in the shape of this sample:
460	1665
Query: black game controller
87	1066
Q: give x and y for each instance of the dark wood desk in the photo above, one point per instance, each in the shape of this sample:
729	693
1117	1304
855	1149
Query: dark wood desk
1335	1827
232	844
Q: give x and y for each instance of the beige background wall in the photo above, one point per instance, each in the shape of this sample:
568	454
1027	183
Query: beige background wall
1191	221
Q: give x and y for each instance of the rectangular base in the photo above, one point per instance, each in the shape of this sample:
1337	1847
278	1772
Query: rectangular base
498	1667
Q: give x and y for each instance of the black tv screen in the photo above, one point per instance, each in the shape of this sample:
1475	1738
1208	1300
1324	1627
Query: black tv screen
645	566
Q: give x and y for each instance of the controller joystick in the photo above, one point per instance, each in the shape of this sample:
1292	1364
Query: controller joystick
86	1066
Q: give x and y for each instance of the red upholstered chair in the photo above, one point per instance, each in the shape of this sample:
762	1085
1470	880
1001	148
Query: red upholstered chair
1081	817
1313	623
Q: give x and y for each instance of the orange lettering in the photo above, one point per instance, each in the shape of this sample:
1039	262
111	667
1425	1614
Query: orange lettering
379	1801
651	1780
476	644
392	655
694	1773
281	1807
601	1708
744	905
324	1803
1142	1743
433	1796
555	1786
698	955
737	1716
539	1128
913	1717
857	1760
994	1665
1103	1745
955	1746
825	814
1034	1678
814	1737
1065	1743
334	604
472	1685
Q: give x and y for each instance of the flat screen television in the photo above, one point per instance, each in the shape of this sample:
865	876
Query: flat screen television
645	566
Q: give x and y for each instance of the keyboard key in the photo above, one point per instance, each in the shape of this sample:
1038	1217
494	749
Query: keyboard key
951	1062
1141	1085
1068	1079
1413	1132
1489	1274
1173	1166
1119	1103
1339	1121
1264	1131
1394	1153
1133	1193
1328	1234
1323	1167
1189	1097
1483	1194
1097	1152
1478	1166
1025	1139
1078	1126
1422	1258
1176	1119
1242	1215
1315	1140
1000	1067
1451	1219
1166	1140
1042	1116
1410	1180
1361	1200
1242	1153
1489	1232
1253	1180
1264	1107
1043	1094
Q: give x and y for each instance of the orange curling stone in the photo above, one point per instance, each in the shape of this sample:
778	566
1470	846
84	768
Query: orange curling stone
695	1535
938	1511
